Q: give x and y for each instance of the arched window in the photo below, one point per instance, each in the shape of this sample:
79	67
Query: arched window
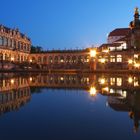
9	42
6	57
56	59
74	59
50	59
1	40
79	59
18	45
68	59
39	59
5	41
33	59
44	59
21	46
61	59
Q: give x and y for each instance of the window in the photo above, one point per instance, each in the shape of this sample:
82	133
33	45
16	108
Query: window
1	40
44	59
119	58
5	41
112	58
39	59
119	81
136	56
112	81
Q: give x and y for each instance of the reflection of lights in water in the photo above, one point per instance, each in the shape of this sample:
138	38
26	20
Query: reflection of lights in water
93	91
93	53
31	78
130	80
124	94
106	104
106	89
111	90
102	81
12	81
130	61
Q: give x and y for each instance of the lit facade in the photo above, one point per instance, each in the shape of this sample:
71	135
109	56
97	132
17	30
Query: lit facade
14	46
121	52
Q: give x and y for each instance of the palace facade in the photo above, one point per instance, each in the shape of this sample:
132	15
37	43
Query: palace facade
14	47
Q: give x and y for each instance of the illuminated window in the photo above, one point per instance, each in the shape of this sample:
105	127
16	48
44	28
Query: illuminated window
136	83
136	56
112	81
112	58
119	81
119	58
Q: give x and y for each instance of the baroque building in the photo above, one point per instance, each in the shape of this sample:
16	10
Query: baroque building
14	46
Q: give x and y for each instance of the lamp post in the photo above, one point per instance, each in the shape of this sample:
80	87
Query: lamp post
93	54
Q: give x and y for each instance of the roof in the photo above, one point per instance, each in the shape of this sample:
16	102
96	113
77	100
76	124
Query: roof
7	30
120	32
110	45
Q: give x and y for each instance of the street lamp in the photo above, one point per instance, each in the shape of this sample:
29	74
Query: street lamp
93	53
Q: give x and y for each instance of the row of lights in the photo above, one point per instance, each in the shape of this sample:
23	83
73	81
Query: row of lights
93	54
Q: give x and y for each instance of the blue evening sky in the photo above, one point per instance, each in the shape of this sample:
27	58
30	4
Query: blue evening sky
67	23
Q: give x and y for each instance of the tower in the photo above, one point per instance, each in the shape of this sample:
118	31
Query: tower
135	31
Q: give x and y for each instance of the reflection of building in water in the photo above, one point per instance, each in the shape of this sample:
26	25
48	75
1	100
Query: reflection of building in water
14	93
130	104
123	93
122	90
14	99
61	81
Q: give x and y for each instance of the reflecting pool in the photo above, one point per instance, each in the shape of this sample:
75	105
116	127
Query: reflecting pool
69	106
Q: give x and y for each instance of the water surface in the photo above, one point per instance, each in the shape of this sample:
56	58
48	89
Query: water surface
69	106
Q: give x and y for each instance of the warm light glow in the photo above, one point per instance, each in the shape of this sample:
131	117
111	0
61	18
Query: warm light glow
106	89
12	81
93	91
137	65
124	94
30	60
12	58
106	51
119	81
31	78
102	60
130	61
130	80
102	81
93	53
62	78
112	91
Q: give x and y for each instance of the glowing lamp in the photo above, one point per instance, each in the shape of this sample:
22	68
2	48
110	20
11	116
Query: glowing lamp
130	80
93	91
12	81
93	53
102	60
12	58
130	61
